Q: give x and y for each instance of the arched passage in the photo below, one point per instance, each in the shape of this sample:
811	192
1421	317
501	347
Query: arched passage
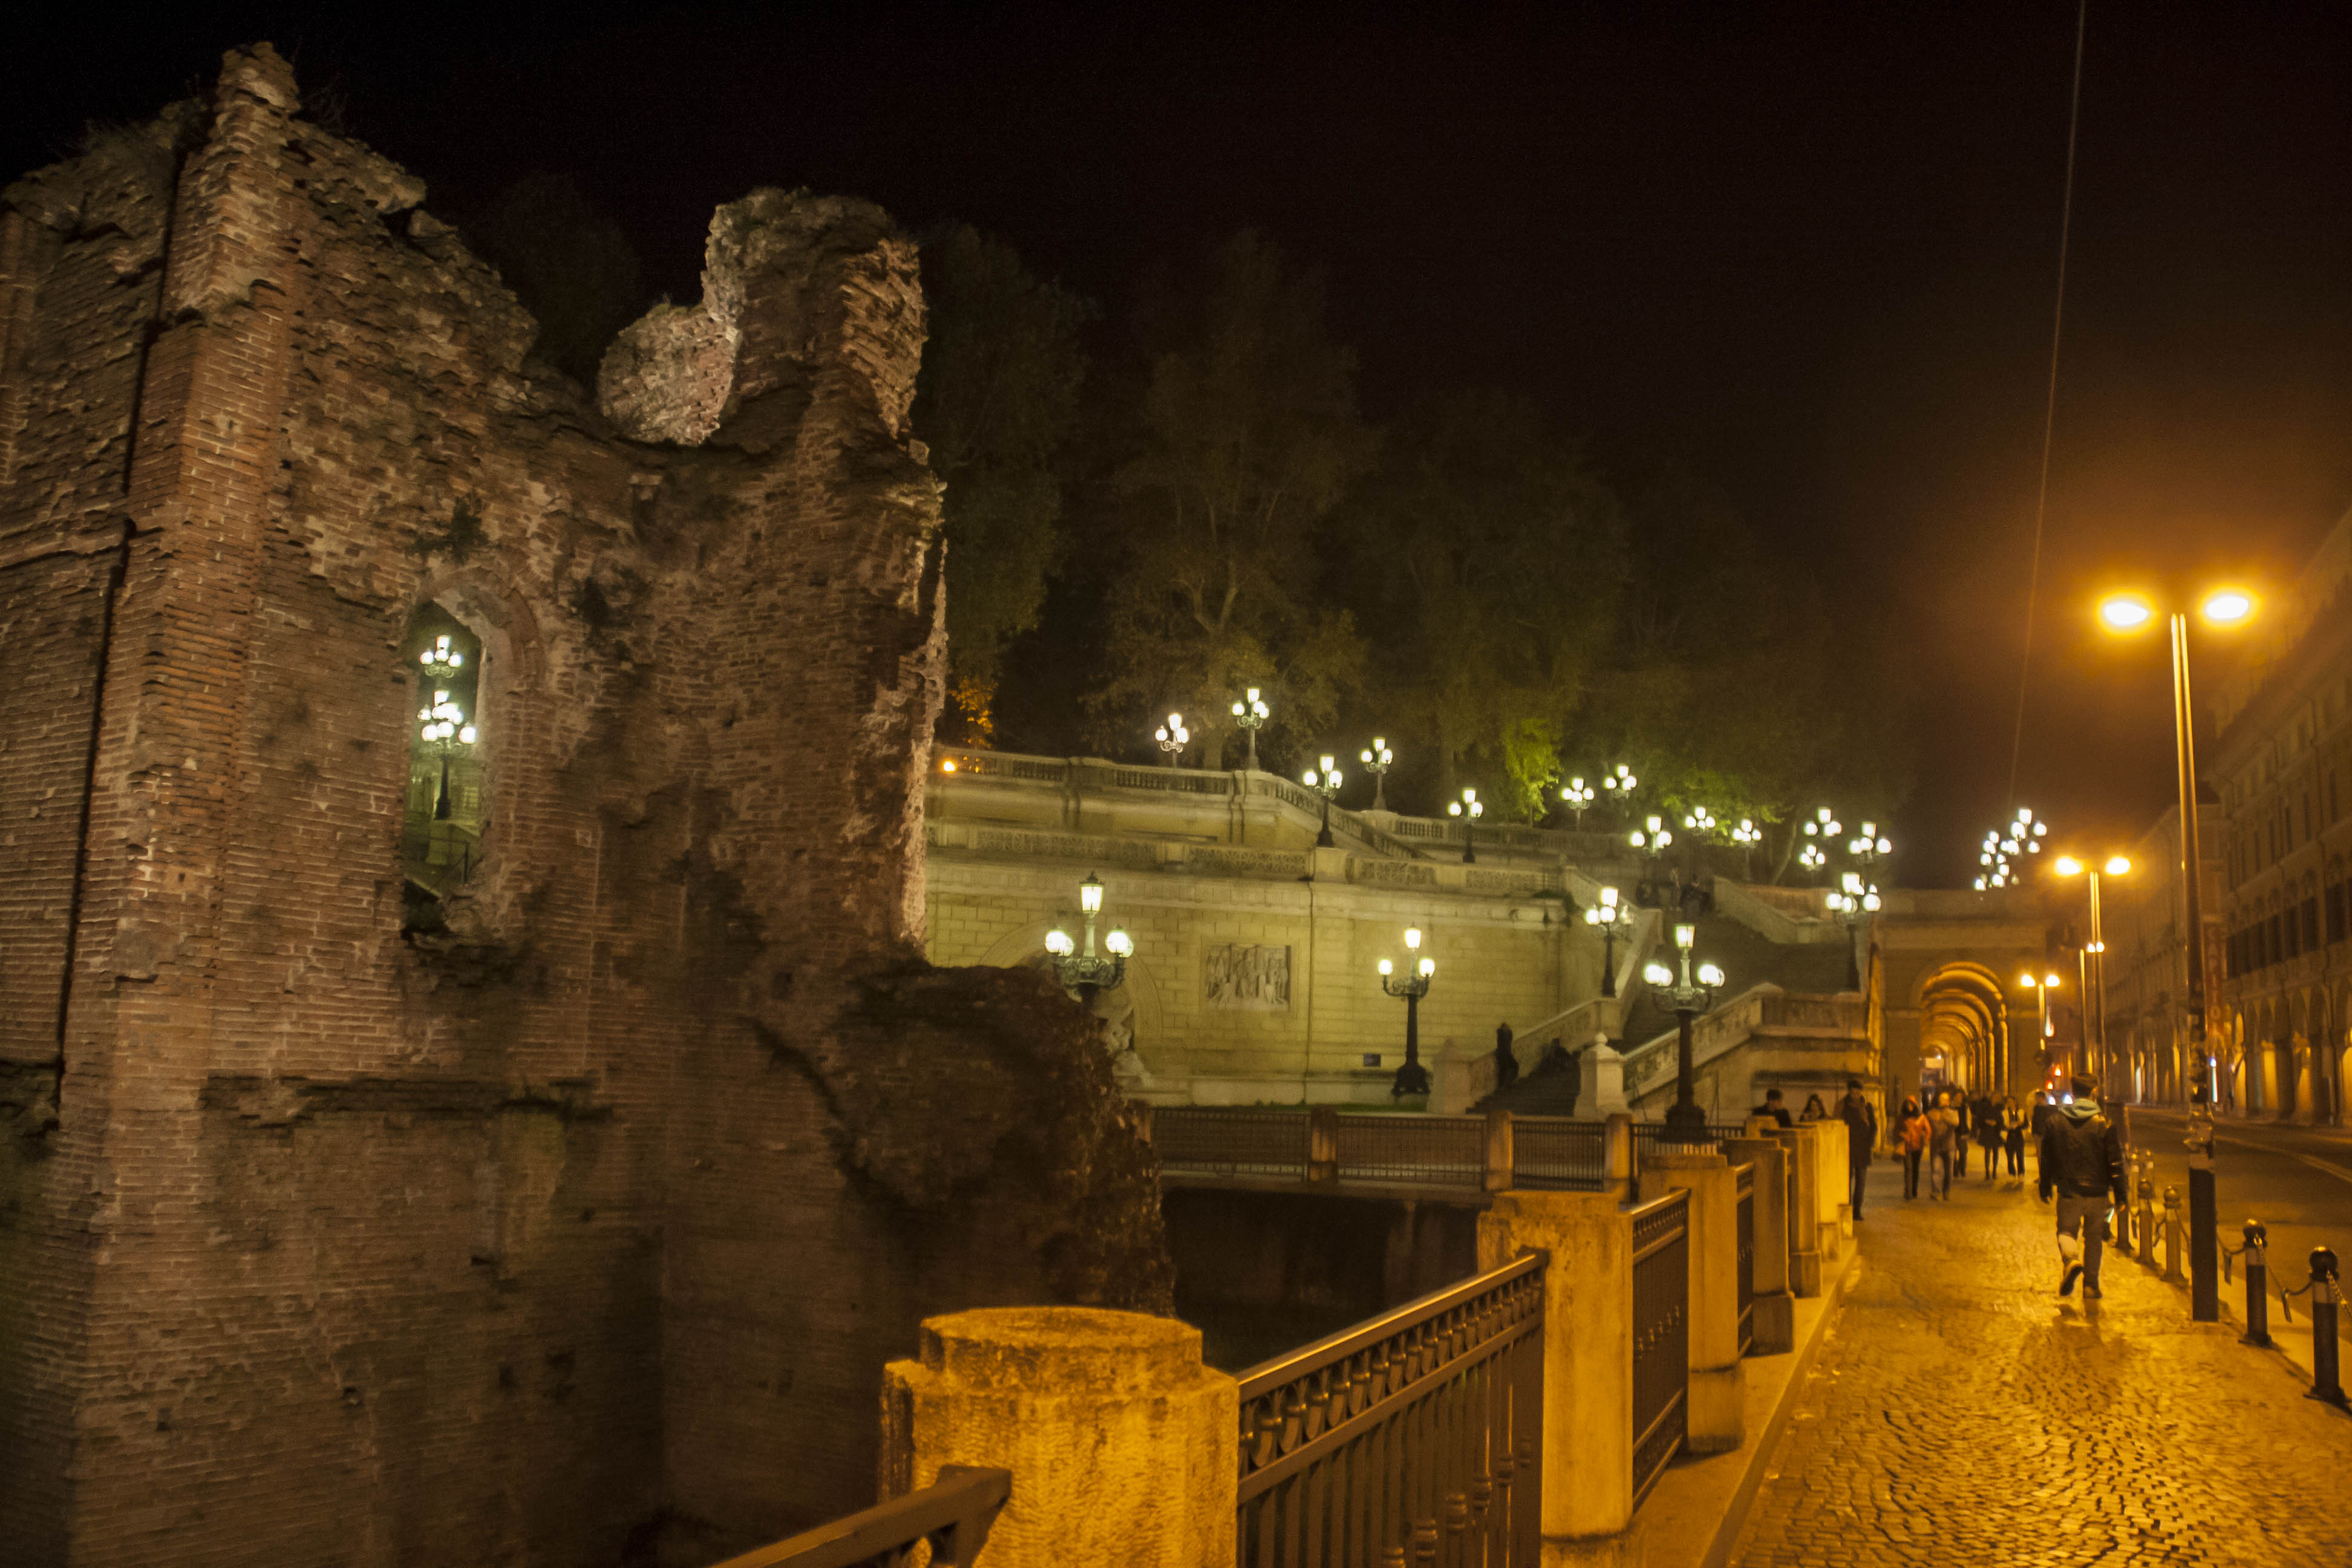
1964	1033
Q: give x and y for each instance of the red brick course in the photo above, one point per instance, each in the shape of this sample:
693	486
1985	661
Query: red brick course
577	1233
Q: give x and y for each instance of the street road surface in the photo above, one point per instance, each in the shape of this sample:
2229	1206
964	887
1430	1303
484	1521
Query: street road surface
2296	1180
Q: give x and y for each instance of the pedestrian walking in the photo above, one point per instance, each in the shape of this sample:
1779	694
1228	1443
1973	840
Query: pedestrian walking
2012	1136
1775	1108
1959	1103
2083	1164
1987	1118
1506	1061
1911	1131
1814	1110
1943	1135
1861	1118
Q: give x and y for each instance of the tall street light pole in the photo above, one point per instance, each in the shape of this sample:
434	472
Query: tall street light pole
2094	954
1089	972
1324	780
1609	917
1377	759
1652	839
1690	1000
1577	797
1251	713
1853	902
1172	737
1412	986
1469	808
2041	986
2124	614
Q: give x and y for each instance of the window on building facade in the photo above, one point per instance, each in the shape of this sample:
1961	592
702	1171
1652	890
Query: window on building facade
441	828
2310	925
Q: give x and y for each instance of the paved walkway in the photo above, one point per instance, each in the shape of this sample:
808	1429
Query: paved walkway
1962	1413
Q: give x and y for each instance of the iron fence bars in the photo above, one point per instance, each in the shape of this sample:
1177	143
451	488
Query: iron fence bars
1427	1151
952	1516
1660	1335
1413	1436
1744	1226
1221	1142
1553	1151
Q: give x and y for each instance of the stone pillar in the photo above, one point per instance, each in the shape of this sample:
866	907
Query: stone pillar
1123	1447
1837	1216
1774	1327
1588	1391
1499	1158
1600	1082
1804	1208
1719	1382
1617	1158
1322	1143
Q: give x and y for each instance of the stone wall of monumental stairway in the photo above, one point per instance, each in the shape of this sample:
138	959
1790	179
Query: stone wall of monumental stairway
581	1229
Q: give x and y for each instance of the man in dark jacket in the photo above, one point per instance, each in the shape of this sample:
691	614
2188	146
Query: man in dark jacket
1773	1108
1861	1118
2082	1162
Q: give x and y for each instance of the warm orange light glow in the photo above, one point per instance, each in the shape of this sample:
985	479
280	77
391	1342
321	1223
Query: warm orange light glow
2118	865
2067	866
2126	612
2226	606
947	764
2049	982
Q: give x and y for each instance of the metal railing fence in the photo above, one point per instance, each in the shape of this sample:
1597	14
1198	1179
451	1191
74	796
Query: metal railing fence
1216	1142
1660	1335
951	1517
1432	1150
1555	1153
1415	1435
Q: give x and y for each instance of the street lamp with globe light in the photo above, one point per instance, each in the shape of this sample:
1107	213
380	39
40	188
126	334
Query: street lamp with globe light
1088	971
1412	1077
1619	784
1688	1000
1172	737
1577	797
1251	714
2223	606
1820	829
1469	808
1377	759
1852	902
1611	917
1324	780
1652	839
2094	951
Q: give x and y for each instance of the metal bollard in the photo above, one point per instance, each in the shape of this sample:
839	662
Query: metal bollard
2325	1384
2172	1236
2258	1285
2147	1211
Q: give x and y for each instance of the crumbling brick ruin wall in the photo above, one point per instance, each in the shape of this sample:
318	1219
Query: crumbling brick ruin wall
576	1232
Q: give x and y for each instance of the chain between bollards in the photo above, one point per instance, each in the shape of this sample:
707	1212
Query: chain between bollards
2256	1252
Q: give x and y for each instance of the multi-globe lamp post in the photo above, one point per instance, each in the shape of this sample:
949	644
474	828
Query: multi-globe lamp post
1250	713
2221	606
1469	810
1086	970
1853	901
1378	759
442	723
1324	780
1652	839
1619	784
1612	918
1821	830
1688	999
1412	1077
1173	737
2005	846
1577	797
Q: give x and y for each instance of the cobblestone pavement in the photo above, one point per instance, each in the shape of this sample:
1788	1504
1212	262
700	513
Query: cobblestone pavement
1961	1413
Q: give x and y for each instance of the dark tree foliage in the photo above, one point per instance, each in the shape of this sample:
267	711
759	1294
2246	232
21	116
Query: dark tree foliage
1003	372
569	263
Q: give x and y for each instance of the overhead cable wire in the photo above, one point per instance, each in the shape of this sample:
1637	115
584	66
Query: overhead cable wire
2050	404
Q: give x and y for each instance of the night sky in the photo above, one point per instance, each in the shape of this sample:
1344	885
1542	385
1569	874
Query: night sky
1807	253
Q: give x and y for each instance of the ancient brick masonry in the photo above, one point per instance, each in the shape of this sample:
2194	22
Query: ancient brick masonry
577	1230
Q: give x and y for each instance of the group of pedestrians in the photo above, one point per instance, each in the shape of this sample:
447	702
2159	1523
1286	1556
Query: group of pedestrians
1938	1134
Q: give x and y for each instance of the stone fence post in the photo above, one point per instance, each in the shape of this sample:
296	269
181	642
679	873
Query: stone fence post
1805	1208
1837	1213
1718	1379
1500	1160
1775	1323
1123	1447
1587	1389
1617	1157
1322	1143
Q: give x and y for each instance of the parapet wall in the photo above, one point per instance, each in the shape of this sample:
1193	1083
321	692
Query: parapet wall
577	1223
